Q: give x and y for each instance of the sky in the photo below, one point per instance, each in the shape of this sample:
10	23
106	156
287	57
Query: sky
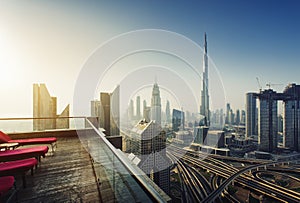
50	42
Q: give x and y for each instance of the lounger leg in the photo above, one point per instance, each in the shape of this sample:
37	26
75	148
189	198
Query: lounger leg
53	145
24	180
37	158
16	193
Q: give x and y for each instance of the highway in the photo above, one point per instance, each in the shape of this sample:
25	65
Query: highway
206	185
230	174
194	185
275	191
255	174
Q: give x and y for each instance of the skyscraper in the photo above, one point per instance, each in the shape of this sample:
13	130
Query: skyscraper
237	117
96	111
110	111
95	108
250	114
144	104
231	117
204	108
147	140
177	120
138	107
200	134
168	114
115	111
243	117
105	112
45	106
267	119
291	117
221	118
156	104
130	110
227	117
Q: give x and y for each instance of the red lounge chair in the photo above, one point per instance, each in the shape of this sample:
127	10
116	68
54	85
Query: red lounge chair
18	167
6	185
30	141
24	153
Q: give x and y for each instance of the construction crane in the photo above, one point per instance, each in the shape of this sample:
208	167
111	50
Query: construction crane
259	85
270	84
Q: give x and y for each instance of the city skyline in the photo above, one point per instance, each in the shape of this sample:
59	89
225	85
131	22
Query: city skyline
154	101
49	42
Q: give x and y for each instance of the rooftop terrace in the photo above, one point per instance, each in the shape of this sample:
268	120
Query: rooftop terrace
66	176
85	167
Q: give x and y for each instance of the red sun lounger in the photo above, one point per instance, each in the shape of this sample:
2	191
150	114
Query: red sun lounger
30	141
7	183
18	167
24	153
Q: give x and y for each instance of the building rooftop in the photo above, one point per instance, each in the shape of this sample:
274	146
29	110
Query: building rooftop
141	126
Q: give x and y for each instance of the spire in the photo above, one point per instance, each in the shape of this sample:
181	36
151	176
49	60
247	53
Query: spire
205	44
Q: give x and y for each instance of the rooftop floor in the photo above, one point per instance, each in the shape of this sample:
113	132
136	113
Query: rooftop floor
66	176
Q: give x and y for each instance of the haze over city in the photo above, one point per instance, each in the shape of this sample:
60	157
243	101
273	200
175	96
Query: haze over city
48	42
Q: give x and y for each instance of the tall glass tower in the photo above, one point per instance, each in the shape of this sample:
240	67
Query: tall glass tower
250	114
156	104
268	121
138	107
291	117
204	108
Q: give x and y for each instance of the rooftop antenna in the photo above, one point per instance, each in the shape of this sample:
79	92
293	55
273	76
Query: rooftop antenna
259	85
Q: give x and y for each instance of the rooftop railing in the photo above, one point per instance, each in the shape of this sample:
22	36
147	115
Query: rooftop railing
127	181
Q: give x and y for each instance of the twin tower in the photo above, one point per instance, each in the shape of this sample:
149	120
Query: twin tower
264	119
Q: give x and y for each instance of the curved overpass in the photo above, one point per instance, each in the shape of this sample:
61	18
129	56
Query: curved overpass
212	196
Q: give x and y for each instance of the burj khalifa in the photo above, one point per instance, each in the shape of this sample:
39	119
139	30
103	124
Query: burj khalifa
204	108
